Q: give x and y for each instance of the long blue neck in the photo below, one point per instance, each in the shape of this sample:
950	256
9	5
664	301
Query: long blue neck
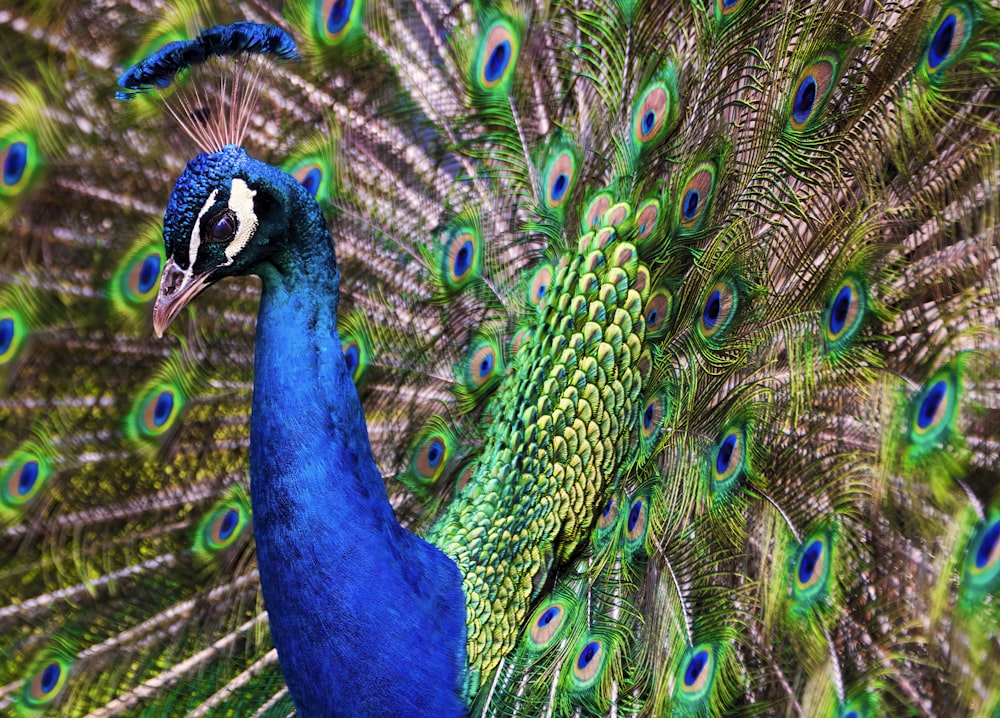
367	618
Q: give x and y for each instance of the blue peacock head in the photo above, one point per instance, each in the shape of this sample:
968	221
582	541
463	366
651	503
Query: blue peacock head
228	214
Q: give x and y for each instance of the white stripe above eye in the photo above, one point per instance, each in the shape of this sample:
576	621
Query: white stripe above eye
195	244
241	203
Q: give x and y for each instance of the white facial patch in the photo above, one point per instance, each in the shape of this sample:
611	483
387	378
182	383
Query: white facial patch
241	203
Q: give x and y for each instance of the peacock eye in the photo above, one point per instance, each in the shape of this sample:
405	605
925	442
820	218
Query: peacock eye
224	228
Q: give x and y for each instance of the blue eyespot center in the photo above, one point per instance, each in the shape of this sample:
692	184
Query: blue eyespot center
852	714
340	13
652	317
6	334
647	416
486	365
50	677
149	273
941	42
695	666
805	98
810	557
228	525
313	178
496	64
725	454
559	186
587	654
548	616
608	506
352	356
164	408
540	292
633	515
712	309
931	403
988	545
648	122
15	162
691	201
29	475
435	452
463	259
839	311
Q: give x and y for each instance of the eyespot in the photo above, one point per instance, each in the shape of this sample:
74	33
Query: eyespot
658	309
223	227
46	684
430	455
651	424
651	417
845	313
587	663
356	356
155	412
539	286
654	109
951	33
497	55
222	526
338	20
981	574
16	159
933	410
484	366
12	335
635	524
598	205
726	8
646	218
140	277
559	179
728	461
23	479
695	196
311	176
811	91
547	624
608	514
812	571
158	408
718	310
462	258
697	673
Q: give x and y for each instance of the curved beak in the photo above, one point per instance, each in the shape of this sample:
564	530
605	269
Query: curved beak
177	288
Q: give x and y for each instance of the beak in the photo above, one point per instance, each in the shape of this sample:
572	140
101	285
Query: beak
177	288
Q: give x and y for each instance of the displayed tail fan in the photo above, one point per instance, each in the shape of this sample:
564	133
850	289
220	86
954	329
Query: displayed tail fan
710	293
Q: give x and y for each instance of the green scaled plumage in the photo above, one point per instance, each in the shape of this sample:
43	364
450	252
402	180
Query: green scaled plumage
676	326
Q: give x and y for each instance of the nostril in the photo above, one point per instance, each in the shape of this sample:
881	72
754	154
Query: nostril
172	279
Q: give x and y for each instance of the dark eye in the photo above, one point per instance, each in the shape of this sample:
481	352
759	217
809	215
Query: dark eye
224	228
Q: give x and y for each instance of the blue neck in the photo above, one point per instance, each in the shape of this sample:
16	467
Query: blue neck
367	618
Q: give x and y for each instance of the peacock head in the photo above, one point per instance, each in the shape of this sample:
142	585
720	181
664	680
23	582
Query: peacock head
229	214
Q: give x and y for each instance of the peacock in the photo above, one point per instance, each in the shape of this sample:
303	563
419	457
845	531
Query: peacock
500	358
